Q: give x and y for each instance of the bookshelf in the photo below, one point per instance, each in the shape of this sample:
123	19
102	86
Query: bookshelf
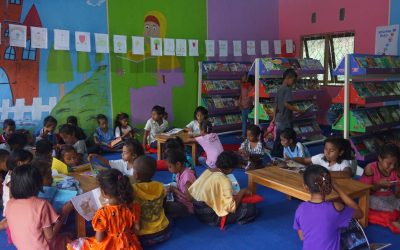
268	72
219	91
371	81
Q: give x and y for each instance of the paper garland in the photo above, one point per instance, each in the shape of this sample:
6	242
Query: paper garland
120	44
17	34
61	39
39	38
237	48
102	43
138	45
82	41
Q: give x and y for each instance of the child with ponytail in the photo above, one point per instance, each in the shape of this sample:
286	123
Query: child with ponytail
319	222
117	221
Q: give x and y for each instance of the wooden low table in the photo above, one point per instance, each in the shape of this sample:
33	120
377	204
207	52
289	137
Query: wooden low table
291	183
161	139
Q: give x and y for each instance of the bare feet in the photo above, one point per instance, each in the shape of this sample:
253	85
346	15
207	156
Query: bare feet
3	224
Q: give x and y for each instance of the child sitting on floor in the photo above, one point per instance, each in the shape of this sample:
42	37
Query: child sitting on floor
117	222
69	156
319	222
103	135
383	175
253	147
336	158
181	206
47	132
8	129
4	154
44	150
122	128
131	150
154	126
200	114
213	194
149	194
291	147
17	140
79	133
67	133
33	223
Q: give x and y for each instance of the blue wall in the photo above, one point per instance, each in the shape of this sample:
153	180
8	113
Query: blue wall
395	15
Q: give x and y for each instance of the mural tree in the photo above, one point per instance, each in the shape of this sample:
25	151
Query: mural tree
59	68
99	58
83	63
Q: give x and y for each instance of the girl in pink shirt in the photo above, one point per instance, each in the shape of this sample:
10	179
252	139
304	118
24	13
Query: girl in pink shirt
383	175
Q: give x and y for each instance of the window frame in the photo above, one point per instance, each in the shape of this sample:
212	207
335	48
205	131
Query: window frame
10	51
29	51
16	2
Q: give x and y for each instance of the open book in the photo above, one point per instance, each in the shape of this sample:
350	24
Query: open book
88	203
174	131
57	197
114	143
289	165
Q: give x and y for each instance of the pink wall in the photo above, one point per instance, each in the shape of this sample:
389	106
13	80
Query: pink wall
362	17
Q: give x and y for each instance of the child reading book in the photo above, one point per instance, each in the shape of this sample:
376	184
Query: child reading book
200	114
67	133
291	147
117	222
69	156
102	135
253	145
122	128
154	126
149	194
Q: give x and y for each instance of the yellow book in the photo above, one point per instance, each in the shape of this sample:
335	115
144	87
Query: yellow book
60	166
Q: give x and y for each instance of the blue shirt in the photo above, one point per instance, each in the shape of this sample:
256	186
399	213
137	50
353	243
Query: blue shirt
104	137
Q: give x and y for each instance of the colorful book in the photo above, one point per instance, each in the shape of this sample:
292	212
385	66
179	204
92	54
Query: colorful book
88	203
375	118
57	197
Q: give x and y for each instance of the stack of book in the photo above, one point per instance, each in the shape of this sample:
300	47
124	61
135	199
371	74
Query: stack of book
271	64
377	116
272	85
226	67
218	102
221	85
306	126
371	145
305	105
370	89
225	120
381	62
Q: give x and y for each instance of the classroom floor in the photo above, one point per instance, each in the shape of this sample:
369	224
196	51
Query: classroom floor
272	229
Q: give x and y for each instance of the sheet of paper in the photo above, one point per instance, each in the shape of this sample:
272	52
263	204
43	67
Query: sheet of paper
237	48
169	47
251	48
102	43
181	47
156	46
289	46
386	40
60	166
210	48
137	45
61	39
193	47
39	38
223	48
17	34
82	41
264	47
87	203
277	47
120	44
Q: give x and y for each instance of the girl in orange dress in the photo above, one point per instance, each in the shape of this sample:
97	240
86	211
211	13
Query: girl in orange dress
116	222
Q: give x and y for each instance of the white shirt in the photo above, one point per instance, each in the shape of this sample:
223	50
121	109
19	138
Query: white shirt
122	166
155	129
119	131
318	160
194	126
6	191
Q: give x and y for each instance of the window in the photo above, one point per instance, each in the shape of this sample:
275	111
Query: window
28	53
330	50
15	2
6	33
9	54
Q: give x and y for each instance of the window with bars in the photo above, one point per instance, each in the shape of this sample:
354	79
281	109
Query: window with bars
330	50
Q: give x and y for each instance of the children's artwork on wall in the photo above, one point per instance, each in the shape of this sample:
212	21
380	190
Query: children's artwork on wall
210	48
386	41
193	47
169	47
39	38
102	43
264	47
82	41
237	48
289	46
61	39
181	47
156	46
138	45
17	34
251	48
223	48
277	47
120	44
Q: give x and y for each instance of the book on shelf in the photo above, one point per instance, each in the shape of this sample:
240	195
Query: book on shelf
361	89
376	119
384	112
394	112
370	86
362	118
370	144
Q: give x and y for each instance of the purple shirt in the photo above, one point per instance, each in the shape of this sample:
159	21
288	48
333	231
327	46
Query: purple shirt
213	147
321	224
187	176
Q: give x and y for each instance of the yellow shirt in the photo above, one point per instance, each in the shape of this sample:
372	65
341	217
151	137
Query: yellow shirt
215	189
150	197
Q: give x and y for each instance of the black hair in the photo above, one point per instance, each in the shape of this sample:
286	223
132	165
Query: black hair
116	185
290	73
8	123
158	109
101	117
66	149
389	150
251	79
4	154
73	120
145	168
174	143
67	129
16	156
175	155
120	116
202	110
26	181
227	160
44	148
289	134
43	166
318	180
49	119
206	126
17	140
342	145
254	130
134	146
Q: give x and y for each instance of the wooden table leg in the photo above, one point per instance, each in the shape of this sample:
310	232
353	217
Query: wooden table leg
251	185
80	225
159	150
363	202
194	153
